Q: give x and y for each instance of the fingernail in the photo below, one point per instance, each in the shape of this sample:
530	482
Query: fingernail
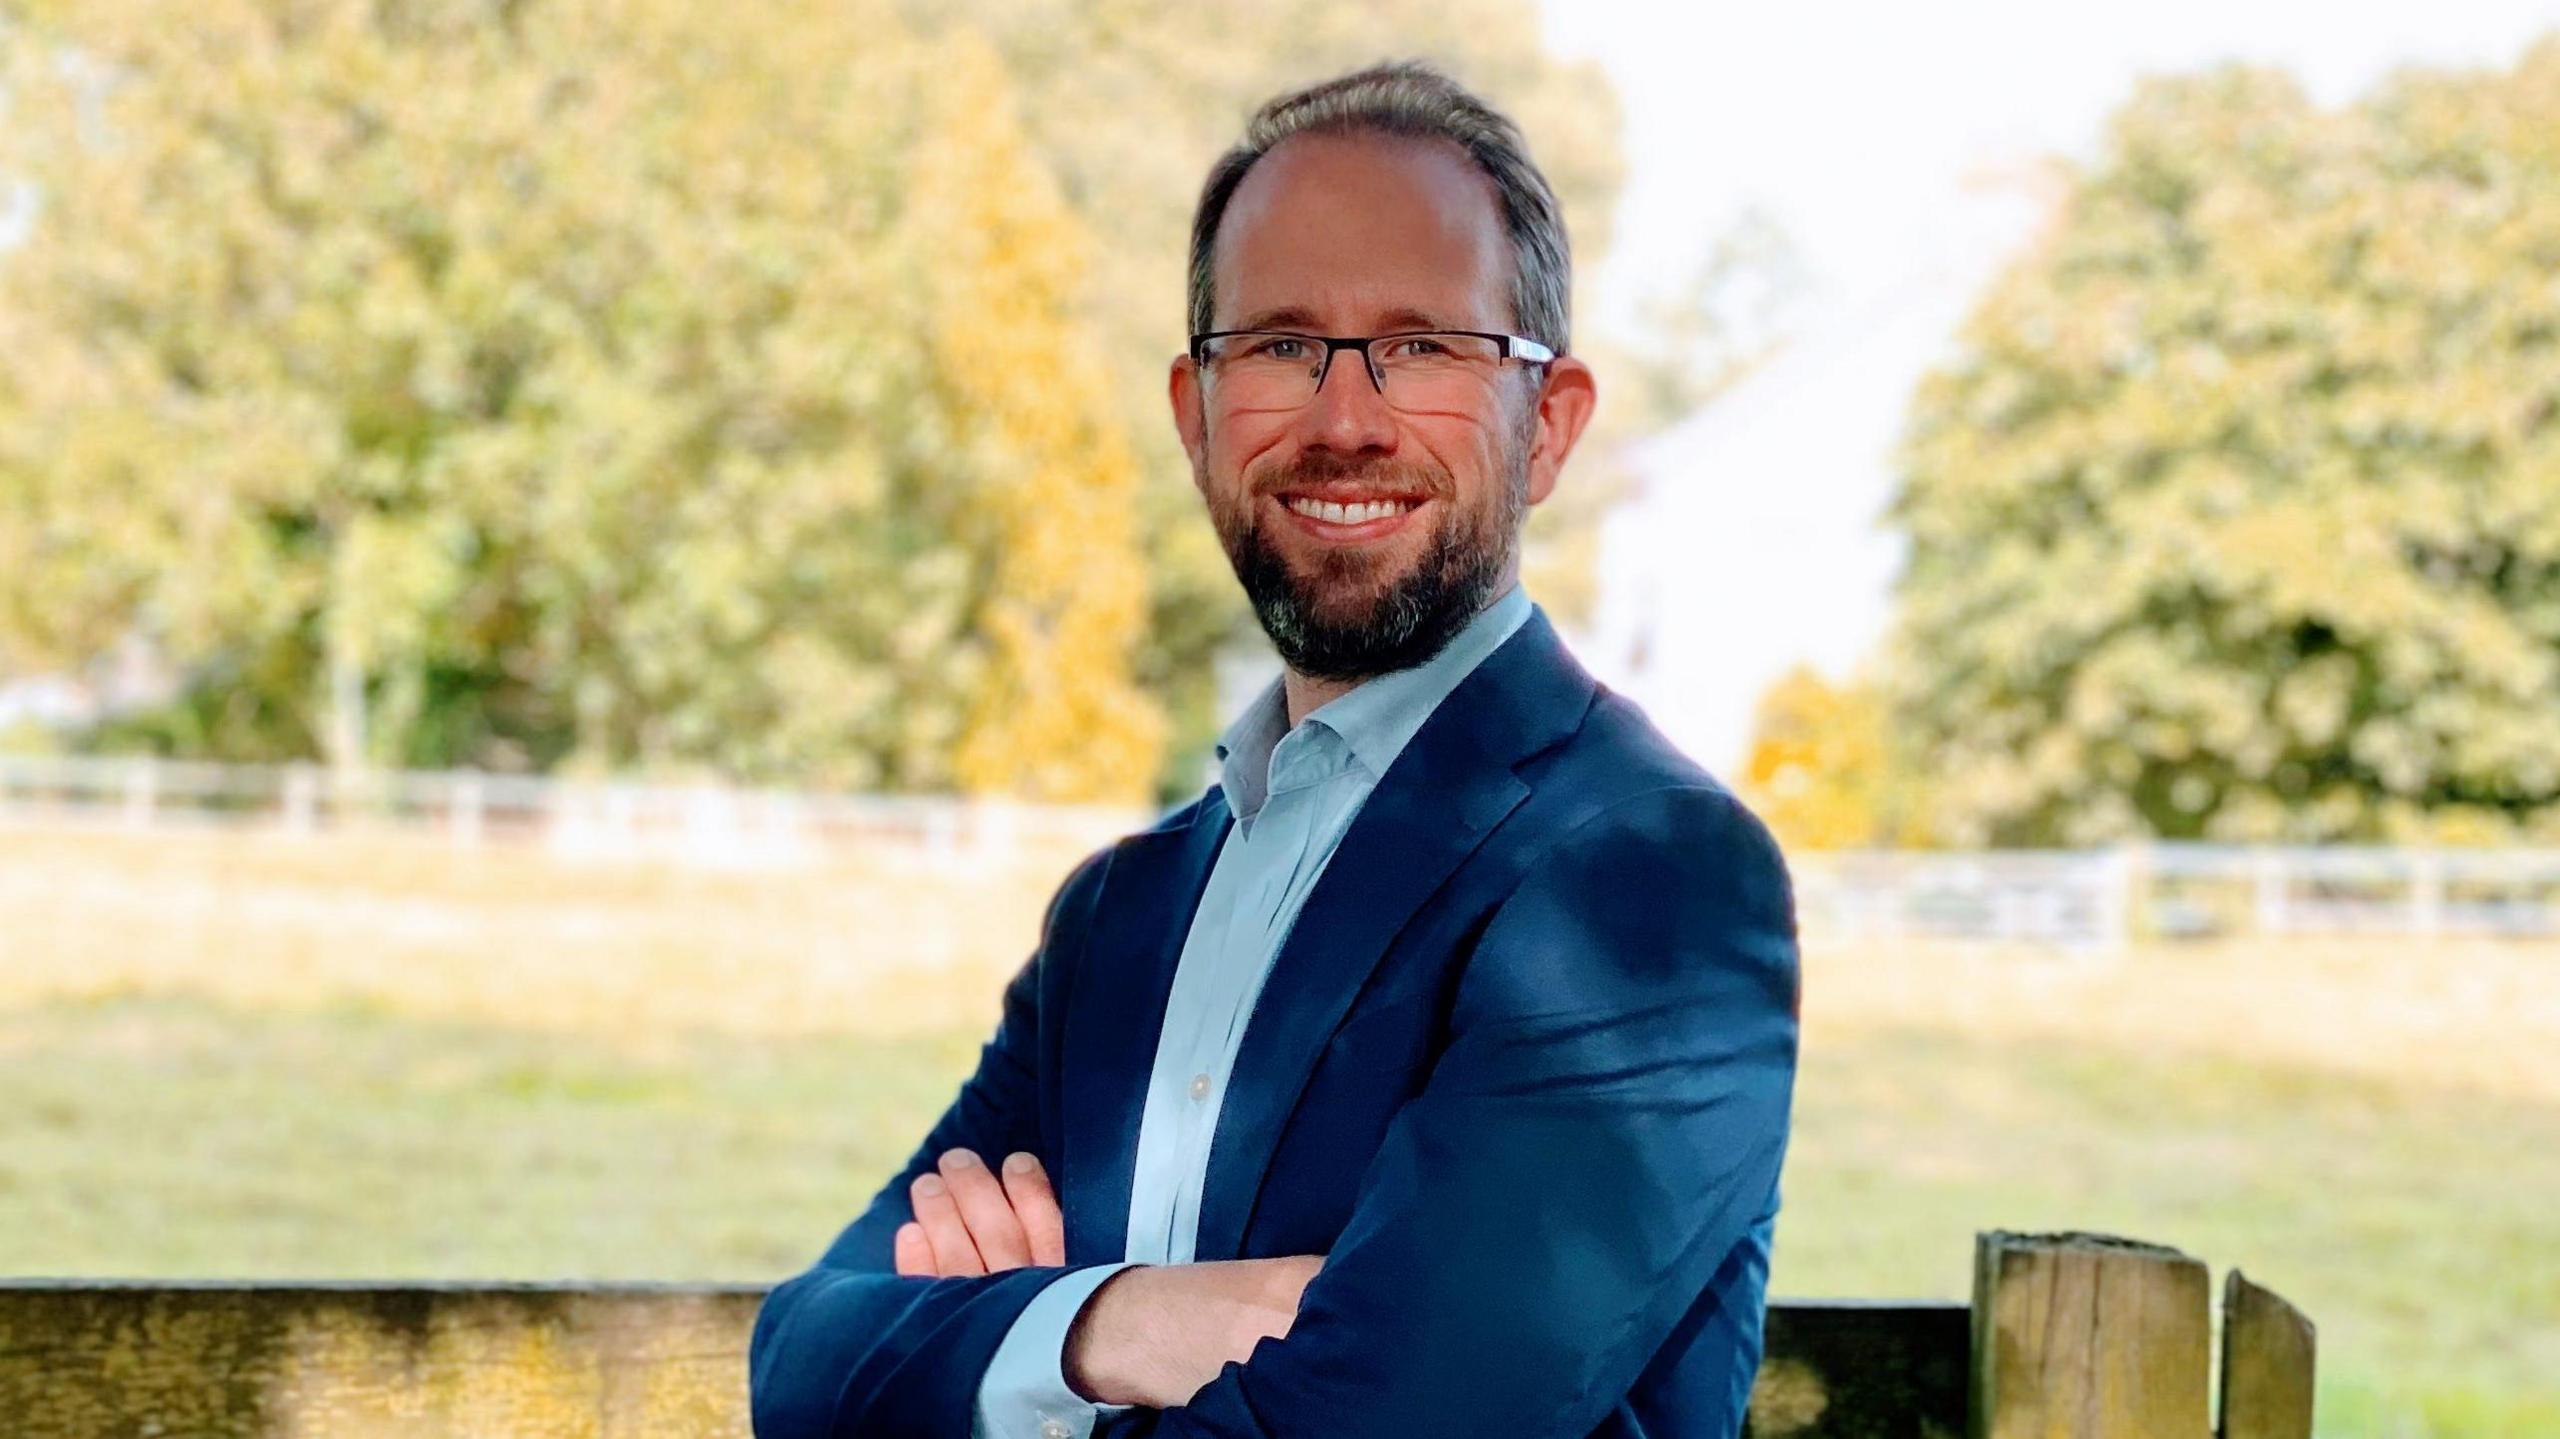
1020	1162
960	1158
928	1185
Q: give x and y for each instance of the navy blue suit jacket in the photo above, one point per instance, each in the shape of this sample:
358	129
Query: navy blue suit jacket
1522	1072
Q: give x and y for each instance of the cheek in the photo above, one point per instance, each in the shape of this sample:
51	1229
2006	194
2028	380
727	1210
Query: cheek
1474	471
1241	450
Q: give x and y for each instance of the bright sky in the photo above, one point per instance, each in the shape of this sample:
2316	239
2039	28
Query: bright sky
1853	126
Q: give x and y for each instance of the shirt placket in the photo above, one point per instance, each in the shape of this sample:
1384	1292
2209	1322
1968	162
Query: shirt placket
1210	1048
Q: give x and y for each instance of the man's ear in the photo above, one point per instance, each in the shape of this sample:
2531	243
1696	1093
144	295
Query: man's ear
1566	399
1190	420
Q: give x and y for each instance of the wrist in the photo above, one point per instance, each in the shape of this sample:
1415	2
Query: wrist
1096	1357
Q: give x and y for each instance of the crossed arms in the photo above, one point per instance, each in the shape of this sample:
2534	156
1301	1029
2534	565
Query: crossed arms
1150	1335
1606	1122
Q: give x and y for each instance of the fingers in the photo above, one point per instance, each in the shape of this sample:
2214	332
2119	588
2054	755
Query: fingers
914	1252
967	1222
984	1208
1035	1207
954	1253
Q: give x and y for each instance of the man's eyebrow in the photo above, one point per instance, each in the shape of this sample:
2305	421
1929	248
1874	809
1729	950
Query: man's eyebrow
1298	317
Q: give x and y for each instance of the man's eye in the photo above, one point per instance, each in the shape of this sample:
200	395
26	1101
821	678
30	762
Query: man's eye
1279	348
1420	345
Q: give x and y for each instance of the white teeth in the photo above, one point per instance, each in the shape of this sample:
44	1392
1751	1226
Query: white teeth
1349	514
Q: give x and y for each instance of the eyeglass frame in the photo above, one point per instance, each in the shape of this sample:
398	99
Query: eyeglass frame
1512	346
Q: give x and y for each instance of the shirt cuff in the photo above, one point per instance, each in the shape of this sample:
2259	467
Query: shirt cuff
1024	1394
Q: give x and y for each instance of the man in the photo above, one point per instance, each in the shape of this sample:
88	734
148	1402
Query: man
1430	1073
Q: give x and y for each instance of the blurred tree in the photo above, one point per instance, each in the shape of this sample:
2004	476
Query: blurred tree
1822	772
657	383
1059	497
2239	513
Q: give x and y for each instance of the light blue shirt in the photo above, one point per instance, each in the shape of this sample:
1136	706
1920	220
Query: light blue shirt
1293	793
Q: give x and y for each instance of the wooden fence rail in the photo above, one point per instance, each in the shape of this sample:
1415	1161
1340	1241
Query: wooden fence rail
2068	1337
702	824
2107	897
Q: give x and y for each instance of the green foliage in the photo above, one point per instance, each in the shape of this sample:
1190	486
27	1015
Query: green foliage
521	384
2239	514
537	382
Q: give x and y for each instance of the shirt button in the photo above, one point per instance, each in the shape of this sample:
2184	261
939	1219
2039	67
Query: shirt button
1053	1429
1199	1086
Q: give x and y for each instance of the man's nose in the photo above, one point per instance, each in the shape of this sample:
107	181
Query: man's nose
1348	413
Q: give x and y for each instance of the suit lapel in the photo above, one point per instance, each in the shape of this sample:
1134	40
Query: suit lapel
1116	1014
1446	791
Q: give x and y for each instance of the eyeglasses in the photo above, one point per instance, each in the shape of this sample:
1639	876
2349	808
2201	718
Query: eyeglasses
1419	370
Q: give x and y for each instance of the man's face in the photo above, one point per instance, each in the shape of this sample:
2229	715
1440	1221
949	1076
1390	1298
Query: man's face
1365	235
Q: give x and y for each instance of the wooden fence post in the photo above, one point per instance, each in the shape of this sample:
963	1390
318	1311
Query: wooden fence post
2426	892
2274	893
301	799
141	792
2267	1360
2088	1336
2134	882
469	809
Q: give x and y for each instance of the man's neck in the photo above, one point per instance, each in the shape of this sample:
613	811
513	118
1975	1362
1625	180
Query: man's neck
1306	696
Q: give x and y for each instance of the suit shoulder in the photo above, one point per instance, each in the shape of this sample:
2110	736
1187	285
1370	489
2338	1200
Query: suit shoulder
1618	754
1619	783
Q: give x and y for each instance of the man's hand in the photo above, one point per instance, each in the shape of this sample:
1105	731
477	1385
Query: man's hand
1154	1334
968	1223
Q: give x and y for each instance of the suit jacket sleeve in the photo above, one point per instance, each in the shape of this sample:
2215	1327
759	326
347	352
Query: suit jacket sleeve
851	1347
1606	1121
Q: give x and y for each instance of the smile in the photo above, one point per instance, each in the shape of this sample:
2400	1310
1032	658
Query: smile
1352	514
1338	523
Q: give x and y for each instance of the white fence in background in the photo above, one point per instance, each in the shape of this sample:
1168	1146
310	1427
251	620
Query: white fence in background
706	825
2074	898
2104	897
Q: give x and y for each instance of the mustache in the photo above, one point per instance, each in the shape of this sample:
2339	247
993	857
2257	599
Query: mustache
1389	479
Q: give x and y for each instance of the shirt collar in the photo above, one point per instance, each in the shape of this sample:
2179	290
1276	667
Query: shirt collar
1376	719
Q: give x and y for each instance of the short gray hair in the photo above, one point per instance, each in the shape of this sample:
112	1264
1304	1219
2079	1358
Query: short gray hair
1411	98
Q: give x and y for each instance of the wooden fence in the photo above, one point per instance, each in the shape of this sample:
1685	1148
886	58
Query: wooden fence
700	824
2104	898
2084	899
2070	1336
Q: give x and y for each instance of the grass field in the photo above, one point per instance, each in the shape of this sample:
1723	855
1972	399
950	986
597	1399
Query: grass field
241	1056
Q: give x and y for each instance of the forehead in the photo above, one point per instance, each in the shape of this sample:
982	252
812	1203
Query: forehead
1357	233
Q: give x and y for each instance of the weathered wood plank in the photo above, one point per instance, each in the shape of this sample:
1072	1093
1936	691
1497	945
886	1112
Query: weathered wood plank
416	1362
90	1359
2268	1350
2088	1336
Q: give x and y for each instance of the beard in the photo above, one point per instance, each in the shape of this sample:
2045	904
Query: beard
1344	621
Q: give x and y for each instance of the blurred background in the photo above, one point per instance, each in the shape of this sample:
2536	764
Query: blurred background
574	573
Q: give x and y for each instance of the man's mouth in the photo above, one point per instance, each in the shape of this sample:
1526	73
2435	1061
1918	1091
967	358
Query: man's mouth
1346	513
1350	518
